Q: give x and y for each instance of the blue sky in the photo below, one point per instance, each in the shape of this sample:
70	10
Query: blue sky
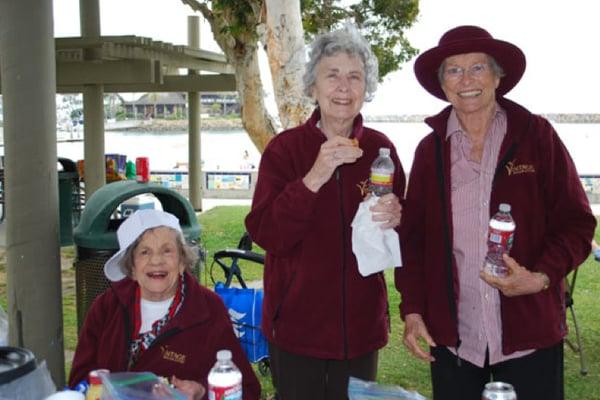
560	39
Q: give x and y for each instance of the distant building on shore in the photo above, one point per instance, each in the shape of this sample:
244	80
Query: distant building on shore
174	105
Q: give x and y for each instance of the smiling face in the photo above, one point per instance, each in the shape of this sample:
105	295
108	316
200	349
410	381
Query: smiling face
473	90
339	88
157	264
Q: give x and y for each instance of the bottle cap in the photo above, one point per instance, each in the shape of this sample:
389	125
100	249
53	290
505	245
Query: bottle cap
384	151
223	355
504	207
94	376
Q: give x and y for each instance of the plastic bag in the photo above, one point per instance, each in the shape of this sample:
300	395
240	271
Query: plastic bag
364	390
3	328
245	310
35	385
137	386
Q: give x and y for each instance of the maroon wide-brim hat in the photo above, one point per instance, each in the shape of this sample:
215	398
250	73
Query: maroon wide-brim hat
470	39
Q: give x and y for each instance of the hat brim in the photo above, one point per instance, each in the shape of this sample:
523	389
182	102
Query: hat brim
113	269
507	55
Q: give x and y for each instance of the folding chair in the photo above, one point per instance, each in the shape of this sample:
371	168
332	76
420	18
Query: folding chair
228	259
578	346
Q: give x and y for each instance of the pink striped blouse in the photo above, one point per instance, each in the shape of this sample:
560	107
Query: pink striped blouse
479	323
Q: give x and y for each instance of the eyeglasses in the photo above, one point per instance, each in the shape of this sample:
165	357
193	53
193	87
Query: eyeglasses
456	73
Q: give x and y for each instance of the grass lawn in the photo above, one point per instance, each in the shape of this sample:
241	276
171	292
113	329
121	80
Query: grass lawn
223	226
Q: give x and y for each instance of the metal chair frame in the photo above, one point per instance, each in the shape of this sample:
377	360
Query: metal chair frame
576	346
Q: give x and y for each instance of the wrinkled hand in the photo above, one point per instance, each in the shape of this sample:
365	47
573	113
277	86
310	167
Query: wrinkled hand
518	281
333	153
191	389
415	331
388	209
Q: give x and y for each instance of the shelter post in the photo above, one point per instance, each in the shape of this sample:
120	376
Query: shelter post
28	70
93	104
194	145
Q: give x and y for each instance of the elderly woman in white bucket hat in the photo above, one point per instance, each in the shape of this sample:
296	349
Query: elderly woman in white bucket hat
485	150
155	316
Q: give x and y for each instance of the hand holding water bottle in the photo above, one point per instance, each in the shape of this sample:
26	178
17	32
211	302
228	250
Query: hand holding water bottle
518	280
388	210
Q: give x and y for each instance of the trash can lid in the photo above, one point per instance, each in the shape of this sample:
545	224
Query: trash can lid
97	229
15	362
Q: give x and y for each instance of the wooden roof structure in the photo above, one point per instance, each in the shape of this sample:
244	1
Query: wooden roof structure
138	64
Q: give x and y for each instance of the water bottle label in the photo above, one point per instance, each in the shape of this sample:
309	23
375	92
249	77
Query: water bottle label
501	238
381	180
225	393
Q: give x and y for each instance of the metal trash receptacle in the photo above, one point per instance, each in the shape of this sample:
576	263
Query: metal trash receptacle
68	200
96	234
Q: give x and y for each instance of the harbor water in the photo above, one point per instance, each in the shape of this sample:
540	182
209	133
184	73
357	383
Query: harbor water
225	149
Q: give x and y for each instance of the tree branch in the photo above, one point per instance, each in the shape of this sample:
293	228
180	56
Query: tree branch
201	7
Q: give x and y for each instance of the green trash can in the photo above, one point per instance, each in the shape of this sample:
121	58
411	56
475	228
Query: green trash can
68	199
96	234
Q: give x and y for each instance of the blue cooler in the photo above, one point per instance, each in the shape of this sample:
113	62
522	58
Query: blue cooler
141	202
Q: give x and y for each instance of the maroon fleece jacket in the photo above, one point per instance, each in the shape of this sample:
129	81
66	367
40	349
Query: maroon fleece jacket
316	302
555	225
186	347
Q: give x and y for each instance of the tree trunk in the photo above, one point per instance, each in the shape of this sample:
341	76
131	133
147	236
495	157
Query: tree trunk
241	52
255	117
285	50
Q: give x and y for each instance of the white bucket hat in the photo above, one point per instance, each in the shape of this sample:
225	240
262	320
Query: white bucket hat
132	228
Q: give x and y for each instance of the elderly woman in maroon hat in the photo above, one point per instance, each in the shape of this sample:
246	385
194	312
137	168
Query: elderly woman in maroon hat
485	150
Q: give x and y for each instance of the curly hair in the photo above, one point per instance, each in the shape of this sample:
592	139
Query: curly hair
349	40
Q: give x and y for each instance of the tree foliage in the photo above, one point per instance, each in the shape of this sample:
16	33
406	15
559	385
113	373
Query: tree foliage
236	20
382	22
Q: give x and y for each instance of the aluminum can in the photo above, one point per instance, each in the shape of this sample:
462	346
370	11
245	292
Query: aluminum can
142	169
498	391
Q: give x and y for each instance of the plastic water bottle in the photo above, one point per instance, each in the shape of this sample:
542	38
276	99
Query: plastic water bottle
382	173
94	390
224	379
500	239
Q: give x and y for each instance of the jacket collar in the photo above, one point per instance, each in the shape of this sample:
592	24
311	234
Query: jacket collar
195	307
311	125
517	120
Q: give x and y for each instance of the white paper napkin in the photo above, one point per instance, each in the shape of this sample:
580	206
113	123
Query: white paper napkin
375	249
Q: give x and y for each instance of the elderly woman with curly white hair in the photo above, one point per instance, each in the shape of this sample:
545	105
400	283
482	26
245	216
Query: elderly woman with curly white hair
323	320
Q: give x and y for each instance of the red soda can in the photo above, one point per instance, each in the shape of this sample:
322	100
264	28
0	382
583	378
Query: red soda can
142	169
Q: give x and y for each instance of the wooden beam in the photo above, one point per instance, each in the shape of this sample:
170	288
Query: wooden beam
106	72
69	43
171	83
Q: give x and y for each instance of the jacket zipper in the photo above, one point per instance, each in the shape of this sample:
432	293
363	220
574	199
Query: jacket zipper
338	179
387	302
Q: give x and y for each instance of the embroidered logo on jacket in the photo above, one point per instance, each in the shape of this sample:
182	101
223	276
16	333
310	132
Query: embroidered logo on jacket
363	187
515	169
171	355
